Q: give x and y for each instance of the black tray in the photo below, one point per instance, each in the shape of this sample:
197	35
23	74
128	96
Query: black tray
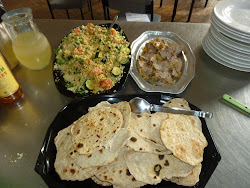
45	162
61	84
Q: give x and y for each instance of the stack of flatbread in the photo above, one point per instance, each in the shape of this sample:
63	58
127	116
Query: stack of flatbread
113	146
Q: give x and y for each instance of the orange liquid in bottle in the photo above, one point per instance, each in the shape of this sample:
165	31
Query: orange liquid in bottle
10	90
12	97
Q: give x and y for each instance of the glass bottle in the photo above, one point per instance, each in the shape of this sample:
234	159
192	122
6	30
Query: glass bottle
6	44
30	46
10	90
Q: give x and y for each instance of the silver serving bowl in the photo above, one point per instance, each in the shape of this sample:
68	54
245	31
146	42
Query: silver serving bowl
189	64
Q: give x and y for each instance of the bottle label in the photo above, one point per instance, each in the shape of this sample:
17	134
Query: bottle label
8	83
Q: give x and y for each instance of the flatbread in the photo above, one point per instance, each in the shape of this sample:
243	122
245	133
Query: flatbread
103	156
91	130
118	174
147	126
191	179
97	158
140	144
125	110
152	168
182	103
99	182
179	135
113	146
178	103
102	104
66	167
123	107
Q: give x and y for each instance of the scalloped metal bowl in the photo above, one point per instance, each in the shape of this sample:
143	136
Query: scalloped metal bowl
170	37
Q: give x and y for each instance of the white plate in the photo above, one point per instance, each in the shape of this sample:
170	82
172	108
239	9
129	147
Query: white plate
231	43
229	51
218	59
221	61
230	57
229	29
229	34
234	13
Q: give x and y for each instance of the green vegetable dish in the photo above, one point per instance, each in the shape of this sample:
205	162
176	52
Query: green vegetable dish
92	58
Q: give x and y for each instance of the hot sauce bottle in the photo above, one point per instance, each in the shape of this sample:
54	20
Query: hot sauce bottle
10	90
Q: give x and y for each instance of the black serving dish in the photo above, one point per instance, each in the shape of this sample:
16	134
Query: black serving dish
45	162
61	84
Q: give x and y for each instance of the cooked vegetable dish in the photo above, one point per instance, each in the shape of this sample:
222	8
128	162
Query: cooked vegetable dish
91	58
159	63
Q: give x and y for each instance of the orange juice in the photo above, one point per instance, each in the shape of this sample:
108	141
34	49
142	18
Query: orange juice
32	49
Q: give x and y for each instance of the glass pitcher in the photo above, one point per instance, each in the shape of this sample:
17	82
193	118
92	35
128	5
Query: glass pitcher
30	46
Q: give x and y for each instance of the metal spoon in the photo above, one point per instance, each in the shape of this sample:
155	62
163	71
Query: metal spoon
114	20
139	105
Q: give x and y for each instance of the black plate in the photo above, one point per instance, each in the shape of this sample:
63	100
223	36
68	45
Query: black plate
61	84
45	162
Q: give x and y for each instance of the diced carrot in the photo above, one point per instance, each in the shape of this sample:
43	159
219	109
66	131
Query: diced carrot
79	48
113	31
76	31
97	71
106	83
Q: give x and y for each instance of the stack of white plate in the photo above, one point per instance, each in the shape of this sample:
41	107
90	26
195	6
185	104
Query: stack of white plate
228	38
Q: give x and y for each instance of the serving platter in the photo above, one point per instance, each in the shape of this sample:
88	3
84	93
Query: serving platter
61	84
71	112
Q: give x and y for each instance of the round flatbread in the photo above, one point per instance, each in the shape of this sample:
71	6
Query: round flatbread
91	130
103	156
191	179
147	126
103	104
178	103
100	182
64	165
140	144
179	135
182	103
123	107
118	173
125	110
151	168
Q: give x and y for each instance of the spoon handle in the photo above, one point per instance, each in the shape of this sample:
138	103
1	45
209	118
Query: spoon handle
114	20
158	108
